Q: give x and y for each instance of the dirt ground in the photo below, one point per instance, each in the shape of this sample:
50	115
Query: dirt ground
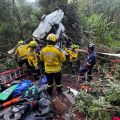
70	113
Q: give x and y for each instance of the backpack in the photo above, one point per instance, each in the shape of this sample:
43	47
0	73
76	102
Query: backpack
22	86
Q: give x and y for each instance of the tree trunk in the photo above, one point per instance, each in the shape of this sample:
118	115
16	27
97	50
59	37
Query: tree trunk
16	14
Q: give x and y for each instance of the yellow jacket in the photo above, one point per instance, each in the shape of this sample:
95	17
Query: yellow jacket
32	58
73	55
52	58
21	51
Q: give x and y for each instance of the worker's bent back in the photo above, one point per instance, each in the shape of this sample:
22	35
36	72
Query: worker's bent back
21	51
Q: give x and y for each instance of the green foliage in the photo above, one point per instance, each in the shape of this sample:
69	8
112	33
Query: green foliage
113	93
71	22
98	22
8	64
117	72
5	14
83	101
17	21
85	20
110	8
94	108
102	107
8	30
98	30
49	6
8	33
29	20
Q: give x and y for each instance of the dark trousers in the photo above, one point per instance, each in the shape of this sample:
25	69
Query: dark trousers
41	66
36	73
21	62
74	67
51	77
83	70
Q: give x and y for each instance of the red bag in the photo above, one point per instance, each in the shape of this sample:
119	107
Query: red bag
116	118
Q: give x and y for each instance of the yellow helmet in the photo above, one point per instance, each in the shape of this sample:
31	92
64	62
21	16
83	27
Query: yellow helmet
21	42
74	46
51	37
32	44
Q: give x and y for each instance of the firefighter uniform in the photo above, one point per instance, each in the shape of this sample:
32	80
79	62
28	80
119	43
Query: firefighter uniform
73	58
21	55
72	54
53	59
33	60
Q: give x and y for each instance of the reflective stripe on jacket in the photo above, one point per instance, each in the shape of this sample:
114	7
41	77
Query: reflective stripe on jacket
52	58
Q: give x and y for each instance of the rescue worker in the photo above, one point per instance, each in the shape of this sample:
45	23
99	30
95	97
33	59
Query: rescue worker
41	45
21	54
32	59
91	61
73	57
53	58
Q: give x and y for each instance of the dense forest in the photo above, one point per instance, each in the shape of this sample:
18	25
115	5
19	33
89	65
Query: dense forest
84	20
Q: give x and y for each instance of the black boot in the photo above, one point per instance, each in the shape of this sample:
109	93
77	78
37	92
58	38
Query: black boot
89	78
59	90
49	90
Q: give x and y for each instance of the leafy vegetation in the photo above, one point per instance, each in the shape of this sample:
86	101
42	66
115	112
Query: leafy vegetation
17	21
85	20
106	101
113	94
94	108
8	64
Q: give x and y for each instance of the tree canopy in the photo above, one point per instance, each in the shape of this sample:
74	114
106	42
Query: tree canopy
84	20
